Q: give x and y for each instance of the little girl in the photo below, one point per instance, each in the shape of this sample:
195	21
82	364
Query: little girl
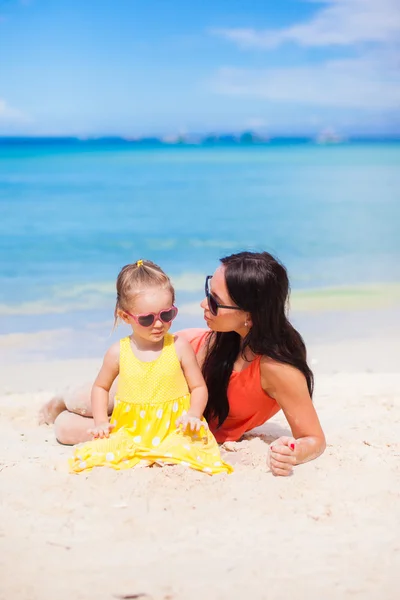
161	396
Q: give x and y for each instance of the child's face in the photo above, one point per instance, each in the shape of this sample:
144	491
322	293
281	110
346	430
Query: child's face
149	301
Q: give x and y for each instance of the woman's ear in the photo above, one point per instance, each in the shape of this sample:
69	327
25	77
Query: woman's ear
248	322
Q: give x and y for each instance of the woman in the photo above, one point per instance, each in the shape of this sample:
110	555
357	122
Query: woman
253	361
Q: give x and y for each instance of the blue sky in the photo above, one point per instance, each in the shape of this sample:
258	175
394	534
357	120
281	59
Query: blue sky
136	67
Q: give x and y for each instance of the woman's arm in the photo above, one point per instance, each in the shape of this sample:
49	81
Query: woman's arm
195	381
288	386
100	391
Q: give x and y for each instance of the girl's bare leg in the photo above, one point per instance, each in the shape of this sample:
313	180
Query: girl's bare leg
71	413
50	411
71	428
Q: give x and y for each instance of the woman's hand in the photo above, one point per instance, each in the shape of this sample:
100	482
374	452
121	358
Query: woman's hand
194	423
102	430
282	456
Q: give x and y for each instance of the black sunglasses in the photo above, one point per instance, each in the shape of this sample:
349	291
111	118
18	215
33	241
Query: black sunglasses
213	305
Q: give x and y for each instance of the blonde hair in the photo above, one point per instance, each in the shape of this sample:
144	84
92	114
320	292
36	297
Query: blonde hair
135	277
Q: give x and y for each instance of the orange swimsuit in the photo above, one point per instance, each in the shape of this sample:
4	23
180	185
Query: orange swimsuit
249	405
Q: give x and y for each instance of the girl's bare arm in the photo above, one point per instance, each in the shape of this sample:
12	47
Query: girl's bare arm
194	378
101	387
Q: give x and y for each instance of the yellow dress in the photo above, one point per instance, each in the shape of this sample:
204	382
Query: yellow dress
150	398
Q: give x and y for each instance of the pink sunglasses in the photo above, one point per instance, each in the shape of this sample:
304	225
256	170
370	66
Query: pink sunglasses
167	315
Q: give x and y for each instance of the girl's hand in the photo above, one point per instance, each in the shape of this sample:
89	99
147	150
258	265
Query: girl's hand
282	456
101	431
194	423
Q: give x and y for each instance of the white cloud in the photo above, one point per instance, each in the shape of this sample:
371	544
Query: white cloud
371	30
341	23
353	84
10	115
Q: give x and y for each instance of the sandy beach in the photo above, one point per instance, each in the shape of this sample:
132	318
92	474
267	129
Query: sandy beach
190	134
330	531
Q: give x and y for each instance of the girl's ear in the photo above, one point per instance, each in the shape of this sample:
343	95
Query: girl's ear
248	320
123	316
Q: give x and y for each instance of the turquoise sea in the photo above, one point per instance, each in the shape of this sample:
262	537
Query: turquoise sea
73	214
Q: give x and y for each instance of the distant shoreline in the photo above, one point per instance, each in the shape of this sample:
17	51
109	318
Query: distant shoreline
245	139
100	295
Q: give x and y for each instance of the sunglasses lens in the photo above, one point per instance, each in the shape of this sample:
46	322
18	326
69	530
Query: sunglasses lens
212	304
167	316
146	320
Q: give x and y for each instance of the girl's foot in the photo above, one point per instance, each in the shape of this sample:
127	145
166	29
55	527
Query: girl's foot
50	411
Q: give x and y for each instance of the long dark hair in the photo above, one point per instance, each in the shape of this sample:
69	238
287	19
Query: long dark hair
258	284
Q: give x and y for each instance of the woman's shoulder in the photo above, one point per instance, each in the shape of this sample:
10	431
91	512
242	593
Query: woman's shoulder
276	374
278	369
195	336
197	339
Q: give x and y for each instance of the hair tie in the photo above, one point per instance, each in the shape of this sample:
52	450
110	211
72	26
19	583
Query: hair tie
139	263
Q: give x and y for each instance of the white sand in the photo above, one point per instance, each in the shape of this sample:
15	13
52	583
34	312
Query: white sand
331	531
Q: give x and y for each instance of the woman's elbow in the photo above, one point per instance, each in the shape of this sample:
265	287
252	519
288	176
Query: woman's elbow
320	444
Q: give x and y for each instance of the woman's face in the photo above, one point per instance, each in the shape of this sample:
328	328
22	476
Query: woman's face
227	319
